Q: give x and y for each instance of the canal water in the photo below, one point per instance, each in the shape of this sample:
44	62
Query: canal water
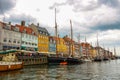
109	70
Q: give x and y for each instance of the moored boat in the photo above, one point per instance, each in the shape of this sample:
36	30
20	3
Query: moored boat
10	62
73	60
53	59
57	60
7	66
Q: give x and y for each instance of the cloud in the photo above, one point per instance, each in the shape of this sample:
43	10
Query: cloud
57	4
87	5
108	37
17	18
110	3
105	27
6	5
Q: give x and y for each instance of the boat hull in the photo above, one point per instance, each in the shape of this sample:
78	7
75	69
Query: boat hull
8	66
57	60
74	61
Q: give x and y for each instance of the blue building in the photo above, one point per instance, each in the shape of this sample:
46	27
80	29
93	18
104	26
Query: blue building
52	44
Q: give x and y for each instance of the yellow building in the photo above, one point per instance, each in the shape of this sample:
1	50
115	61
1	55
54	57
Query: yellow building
43	38
93	52
70	46
61	47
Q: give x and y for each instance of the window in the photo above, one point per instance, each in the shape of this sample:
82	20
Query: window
9	41
32	43
5	40
14	41
26	35
29	43
18	42
22	42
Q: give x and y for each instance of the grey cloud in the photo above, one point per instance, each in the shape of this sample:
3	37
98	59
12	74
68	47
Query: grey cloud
6	5
77	5
56	4
92	5
14	18
110	3
105	27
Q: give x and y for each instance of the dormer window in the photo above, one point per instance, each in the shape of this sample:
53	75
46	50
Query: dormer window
33	33
7	26
16	29
24	30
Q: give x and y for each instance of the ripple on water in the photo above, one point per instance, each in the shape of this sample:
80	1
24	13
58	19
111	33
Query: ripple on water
87	71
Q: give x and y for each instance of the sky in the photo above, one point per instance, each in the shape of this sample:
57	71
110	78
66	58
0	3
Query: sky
89	18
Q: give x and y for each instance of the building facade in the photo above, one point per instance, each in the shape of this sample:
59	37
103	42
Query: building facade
70	46
10	37
77	49
62	48
43	38
86	49
52	44
59	43
29	40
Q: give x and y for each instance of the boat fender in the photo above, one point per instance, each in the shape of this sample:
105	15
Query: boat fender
9	66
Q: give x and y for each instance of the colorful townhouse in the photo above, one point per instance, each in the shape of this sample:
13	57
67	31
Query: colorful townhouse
60	45
43	38
70	46
77	49
100	51
10	37
86	49
62	48
29	40
52	44
93	52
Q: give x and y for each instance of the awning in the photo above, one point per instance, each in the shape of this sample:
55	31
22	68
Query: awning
7	51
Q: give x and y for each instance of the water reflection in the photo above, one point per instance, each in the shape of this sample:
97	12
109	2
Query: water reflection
109	70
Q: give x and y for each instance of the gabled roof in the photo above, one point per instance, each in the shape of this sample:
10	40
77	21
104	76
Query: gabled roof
25	28
54	38
43	30
67	39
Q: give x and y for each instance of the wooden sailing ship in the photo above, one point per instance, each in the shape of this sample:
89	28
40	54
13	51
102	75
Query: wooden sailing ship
99	56
71	59
56	59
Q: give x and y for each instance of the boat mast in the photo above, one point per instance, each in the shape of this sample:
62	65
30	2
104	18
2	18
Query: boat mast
98	46
114	52
56	35
79	45
86	47
71	38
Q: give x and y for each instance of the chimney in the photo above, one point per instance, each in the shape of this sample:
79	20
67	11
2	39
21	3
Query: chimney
9	23
22	23
38	24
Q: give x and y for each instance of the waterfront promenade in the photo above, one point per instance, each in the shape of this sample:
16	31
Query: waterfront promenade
107	70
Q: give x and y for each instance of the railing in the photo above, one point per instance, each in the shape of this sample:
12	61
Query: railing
9	63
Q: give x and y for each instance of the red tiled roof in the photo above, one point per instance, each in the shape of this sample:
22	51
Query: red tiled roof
25	28
54	38
67	39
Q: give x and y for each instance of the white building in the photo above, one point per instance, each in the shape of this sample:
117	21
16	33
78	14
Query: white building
10	37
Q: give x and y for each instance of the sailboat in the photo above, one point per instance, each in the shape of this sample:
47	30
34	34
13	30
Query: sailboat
98	57
71	59
56	60
114	57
